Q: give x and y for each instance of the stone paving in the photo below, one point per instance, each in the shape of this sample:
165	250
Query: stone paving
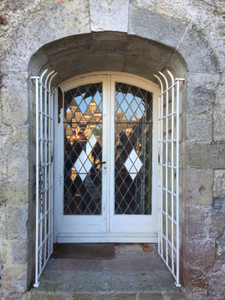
132	274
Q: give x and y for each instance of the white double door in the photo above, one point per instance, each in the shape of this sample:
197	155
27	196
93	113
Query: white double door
106	160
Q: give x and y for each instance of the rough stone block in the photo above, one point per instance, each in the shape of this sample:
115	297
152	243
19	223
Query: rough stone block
109	15
148	296
15	279
20	135
141	66
118	41
14	252
196	251
198	187
201	92
3	158
219	184
219	125
36	64
2	223
155	26
14	114
197	52
14	104
206	155
215	276
15	194
16	224
108	296
220	242
37	295
198	223
174	296
75	16
18	164
219	101
195	280
199	127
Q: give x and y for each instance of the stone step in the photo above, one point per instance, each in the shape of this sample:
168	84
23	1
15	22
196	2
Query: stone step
39	295
132	274
112	285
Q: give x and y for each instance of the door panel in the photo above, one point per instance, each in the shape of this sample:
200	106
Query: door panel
80	148
133	205
83	150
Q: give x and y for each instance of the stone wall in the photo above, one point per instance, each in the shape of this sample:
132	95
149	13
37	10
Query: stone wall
191	29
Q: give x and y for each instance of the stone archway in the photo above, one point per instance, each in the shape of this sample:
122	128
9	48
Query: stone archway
107	51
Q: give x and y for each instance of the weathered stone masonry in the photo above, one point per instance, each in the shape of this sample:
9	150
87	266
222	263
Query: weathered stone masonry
136	36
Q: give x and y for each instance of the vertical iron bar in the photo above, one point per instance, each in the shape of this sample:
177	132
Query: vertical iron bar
161	172
41	165
160	233
172	177
41	184
166	162
143	142
51	173
45	172
177	187
49	170
167	104
53	74
36	283
159	177
172	169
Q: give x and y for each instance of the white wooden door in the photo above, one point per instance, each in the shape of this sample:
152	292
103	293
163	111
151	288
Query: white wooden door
106	160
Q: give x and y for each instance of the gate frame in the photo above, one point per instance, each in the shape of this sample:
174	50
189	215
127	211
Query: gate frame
44	171
173	262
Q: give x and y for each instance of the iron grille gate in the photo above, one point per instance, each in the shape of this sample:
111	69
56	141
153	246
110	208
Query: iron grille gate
168	136
44	171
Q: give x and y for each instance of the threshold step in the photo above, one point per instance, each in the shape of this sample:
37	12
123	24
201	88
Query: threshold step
38	295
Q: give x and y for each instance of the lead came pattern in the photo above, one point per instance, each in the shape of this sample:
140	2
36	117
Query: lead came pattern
133	150
83	150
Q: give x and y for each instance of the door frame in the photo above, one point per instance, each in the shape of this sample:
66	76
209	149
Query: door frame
118	235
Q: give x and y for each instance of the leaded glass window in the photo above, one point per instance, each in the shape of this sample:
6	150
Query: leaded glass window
83	150
133	150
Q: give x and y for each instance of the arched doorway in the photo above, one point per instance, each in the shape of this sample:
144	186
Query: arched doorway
93	53
106	153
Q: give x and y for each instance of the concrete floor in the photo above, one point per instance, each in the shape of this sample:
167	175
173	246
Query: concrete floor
132	274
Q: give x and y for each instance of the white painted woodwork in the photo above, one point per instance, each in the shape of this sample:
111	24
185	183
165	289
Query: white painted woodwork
107	227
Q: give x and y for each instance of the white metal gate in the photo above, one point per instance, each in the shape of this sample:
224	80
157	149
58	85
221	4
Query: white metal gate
44	171
168	237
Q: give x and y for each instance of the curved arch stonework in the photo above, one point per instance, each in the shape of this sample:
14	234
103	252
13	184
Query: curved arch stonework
138	37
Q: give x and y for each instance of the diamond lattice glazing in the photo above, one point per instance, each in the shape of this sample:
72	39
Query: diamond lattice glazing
133	150
83	150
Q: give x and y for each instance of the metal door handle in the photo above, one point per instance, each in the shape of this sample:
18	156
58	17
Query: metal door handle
100	163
